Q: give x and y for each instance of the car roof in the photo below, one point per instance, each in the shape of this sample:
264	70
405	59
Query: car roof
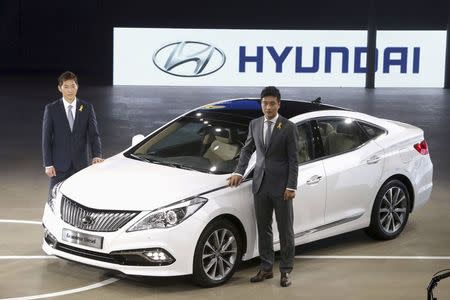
247	109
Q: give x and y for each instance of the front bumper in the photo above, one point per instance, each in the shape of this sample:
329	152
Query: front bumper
179	242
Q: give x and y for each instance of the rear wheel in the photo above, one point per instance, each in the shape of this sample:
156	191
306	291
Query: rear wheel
217	254
390	211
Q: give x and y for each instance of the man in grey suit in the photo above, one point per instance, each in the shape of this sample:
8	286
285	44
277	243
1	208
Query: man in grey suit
68	126
274	182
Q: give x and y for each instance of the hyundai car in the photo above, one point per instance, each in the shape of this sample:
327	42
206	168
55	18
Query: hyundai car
163	206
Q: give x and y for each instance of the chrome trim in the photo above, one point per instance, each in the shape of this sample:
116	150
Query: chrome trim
373	160
314	180
218	188
326	226
74	213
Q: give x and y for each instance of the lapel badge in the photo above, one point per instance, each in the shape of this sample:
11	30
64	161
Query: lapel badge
280	125
81	108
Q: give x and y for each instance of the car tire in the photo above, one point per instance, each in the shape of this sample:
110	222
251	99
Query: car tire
390	211
218	253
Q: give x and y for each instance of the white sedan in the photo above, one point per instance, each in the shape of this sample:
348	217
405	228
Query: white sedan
163	207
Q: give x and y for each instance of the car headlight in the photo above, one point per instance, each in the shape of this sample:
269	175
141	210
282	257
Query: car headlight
53	194
169	216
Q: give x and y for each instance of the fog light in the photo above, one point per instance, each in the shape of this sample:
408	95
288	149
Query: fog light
158	256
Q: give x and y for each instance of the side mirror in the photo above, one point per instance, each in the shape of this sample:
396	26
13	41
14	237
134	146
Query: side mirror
137	139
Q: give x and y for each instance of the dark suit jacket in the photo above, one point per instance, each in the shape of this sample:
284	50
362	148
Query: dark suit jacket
278	163
60	146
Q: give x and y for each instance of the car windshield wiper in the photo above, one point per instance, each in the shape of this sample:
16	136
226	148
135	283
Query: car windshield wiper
177	165
165	163
141	158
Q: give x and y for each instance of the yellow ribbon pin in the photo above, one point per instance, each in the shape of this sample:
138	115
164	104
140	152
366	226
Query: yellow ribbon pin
279	125
81	108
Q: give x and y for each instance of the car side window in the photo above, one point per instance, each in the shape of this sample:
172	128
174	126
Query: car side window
305	147
371	130
340	134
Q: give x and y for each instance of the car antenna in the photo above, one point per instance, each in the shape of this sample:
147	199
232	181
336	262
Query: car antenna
318	100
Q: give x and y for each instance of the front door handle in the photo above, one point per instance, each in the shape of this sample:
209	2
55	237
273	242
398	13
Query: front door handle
314	180
373	160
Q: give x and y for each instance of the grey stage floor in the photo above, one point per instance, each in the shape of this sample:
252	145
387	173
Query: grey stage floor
124	111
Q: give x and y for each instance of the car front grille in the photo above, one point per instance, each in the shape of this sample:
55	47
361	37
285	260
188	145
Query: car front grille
91	219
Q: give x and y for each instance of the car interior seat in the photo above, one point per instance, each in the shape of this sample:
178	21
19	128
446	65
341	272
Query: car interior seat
342	139
325	130
223	148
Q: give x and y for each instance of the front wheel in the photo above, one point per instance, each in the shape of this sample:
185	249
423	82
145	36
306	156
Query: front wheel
390	211
217	254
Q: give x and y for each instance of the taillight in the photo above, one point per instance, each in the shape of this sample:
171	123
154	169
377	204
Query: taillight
422	147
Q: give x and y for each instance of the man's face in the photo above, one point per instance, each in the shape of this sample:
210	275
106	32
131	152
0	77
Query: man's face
270	106
68	89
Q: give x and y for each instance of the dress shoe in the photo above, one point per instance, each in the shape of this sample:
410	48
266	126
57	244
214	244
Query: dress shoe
261	275
285	280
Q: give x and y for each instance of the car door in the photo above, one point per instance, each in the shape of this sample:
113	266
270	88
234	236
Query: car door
309	201
353	165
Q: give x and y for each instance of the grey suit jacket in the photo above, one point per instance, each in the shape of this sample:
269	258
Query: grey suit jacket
279	162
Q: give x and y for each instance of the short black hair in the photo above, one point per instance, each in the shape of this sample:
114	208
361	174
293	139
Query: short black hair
271	91
67	75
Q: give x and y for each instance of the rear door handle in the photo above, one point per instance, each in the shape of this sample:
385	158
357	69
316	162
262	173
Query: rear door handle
373	160
314	180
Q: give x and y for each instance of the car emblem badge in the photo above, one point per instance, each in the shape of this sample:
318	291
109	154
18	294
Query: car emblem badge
189	59
87	221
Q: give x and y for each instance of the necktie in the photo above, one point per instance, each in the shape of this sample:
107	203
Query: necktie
70	117
268	133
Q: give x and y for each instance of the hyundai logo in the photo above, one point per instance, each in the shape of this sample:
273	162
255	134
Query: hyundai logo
86	221
189	59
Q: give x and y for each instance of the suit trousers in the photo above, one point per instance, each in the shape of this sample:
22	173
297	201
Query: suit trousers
60	176
266	200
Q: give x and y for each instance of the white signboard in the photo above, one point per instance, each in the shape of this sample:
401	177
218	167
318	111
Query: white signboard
410	59
224	57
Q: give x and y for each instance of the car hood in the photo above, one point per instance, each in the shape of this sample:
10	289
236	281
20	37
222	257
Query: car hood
120	183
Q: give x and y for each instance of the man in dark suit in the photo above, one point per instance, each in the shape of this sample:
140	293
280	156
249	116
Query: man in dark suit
274	182
69	124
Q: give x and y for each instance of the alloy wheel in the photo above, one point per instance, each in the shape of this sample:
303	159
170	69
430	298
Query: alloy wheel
393	210
219	254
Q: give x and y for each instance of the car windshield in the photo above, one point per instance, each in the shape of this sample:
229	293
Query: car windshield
205	142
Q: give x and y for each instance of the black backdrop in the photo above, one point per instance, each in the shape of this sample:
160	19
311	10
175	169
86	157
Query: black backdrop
49	36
